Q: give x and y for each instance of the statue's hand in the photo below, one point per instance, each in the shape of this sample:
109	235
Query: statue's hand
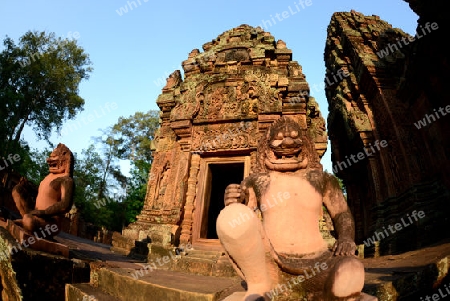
233	194
344	247
37	212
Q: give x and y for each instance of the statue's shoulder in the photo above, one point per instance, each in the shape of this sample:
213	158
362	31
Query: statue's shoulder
330	180
64	180
256	179
317	178
259	182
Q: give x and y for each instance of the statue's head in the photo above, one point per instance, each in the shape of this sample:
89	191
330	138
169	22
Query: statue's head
286	147
61	160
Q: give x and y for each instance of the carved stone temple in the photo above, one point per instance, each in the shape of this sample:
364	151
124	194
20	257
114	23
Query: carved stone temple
393	83
211	121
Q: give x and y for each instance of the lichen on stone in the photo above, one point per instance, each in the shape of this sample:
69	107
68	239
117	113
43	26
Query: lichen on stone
9	288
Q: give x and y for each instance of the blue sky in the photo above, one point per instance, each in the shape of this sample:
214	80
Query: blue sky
134	51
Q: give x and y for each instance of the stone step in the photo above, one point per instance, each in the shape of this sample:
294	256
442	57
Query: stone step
144	285
205	263
86	292
214	256
122	245
203	267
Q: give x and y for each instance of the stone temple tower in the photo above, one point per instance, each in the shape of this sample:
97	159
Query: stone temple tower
395	94
211	121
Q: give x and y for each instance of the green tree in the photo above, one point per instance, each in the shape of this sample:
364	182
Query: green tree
39	80
87	177
111	174
95	194
34	164
134	135
103	194
136	190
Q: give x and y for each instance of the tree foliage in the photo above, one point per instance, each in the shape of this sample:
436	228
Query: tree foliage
104	195
39	80
133	135
136	190
34	164
89	179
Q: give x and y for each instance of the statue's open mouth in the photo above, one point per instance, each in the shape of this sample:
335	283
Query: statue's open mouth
278	158
285	151
52	163
285	159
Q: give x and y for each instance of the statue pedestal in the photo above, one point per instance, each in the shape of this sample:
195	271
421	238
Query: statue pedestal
36	242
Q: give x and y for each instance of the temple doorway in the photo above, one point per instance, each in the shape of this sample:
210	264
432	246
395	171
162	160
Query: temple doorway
219	177
215	175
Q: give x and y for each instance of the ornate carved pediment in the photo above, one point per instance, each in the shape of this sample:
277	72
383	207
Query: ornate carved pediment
217	137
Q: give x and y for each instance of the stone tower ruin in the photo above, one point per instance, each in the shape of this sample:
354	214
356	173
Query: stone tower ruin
393	95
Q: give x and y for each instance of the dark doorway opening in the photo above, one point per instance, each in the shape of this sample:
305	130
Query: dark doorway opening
220	175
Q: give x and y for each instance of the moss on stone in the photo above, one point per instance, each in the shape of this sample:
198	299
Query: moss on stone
9	288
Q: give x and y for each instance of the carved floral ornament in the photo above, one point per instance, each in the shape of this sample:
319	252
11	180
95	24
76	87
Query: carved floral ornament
235	136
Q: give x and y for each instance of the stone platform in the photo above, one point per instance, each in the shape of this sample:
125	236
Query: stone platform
407	276
410	275
118	277
119	284
36	242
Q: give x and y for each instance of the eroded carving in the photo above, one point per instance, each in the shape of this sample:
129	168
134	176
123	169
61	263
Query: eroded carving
163	181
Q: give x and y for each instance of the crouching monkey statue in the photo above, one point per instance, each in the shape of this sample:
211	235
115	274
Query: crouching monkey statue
54	197
277	247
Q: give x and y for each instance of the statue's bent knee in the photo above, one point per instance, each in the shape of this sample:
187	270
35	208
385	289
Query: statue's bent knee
347	277
236	221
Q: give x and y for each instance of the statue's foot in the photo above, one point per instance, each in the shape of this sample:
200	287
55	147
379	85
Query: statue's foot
256	297
257	292
241	296
366	297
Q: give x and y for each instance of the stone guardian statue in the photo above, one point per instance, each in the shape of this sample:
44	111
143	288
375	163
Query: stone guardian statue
55	194
281	247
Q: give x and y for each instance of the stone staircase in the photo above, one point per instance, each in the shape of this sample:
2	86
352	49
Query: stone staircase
114	276
406	276
411	275
111	276
200	262
207	263
128	284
